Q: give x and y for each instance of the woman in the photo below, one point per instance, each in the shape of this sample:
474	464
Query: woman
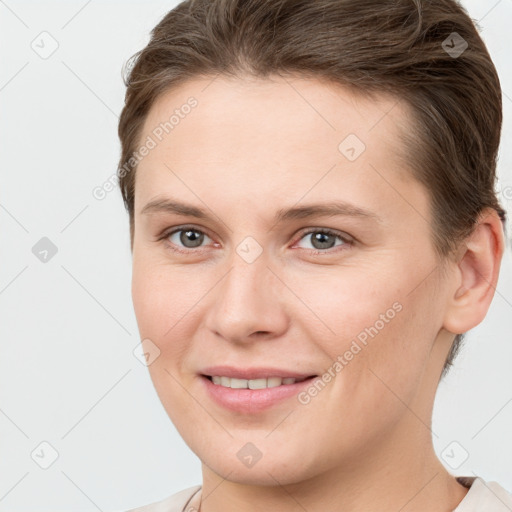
314	227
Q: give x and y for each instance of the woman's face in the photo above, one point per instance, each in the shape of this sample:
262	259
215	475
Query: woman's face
255	286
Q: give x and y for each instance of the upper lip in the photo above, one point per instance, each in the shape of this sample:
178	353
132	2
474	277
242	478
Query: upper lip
252	372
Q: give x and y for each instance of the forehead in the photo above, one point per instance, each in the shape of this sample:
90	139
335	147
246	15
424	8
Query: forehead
282	133
296	109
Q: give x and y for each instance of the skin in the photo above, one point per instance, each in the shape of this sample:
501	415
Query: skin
250	148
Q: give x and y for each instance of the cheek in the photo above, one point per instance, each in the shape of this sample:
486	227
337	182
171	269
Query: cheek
165	301
147	295
370	319
378	356
346	305
161	295
163	313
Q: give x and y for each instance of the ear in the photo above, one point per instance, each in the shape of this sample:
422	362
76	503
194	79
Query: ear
476	274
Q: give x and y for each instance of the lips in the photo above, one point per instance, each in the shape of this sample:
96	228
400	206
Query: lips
242	390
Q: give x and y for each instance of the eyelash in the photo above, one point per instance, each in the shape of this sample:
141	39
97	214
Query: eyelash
348	241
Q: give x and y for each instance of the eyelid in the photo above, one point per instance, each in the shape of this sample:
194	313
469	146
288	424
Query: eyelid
331	231
182	227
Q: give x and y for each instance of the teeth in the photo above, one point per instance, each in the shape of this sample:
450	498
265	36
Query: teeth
270	382
238	383
256	383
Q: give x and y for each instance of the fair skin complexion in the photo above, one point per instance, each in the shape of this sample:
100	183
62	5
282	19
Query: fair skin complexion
250	148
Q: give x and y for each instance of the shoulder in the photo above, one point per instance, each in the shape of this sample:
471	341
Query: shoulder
483	495
174	503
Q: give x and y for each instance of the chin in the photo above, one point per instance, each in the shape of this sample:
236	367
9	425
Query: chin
269	473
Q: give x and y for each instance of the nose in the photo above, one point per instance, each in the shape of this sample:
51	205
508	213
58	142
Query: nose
248	303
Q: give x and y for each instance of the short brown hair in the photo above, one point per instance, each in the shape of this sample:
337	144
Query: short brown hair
400	47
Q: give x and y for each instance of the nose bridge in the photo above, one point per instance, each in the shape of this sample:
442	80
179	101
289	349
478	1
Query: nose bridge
246	300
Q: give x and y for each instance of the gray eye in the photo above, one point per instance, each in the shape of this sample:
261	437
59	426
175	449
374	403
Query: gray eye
322	239
189	238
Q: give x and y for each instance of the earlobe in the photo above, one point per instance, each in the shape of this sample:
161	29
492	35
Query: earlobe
477	274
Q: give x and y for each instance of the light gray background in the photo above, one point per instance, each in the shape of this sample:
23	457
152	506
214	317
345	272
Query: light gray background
68	375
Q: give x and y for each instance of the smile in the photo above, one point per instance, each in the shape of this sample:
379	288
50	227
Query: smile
253	396
270	382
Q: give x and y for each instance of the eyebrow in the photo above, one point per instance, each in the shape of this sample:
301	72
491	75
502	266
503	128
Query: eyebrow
328	209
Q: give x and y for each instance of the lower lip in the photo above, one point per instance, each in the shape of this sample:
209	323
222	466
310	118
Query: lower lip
252	400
